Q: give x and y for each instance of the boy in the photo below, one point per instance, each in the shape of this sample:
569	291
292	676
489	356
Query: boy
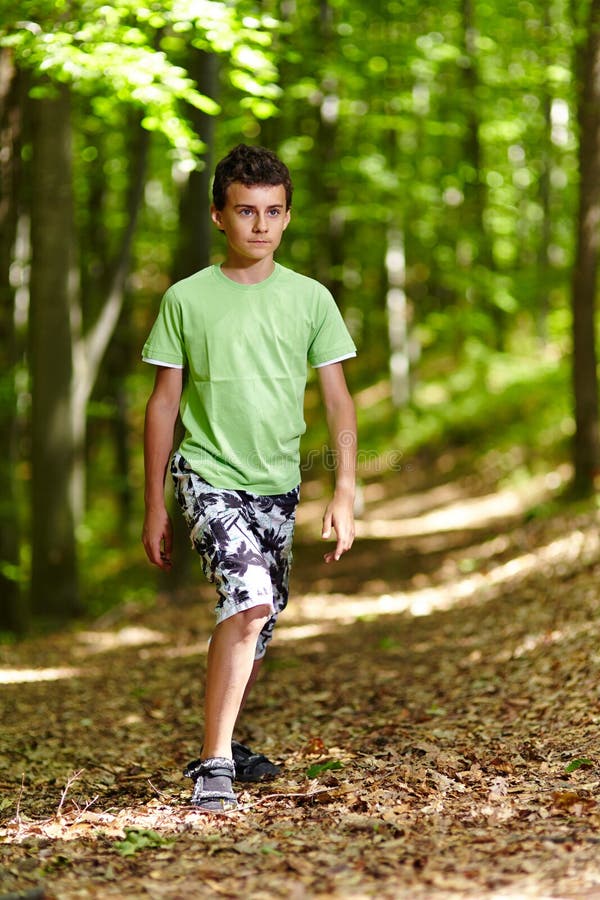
242	333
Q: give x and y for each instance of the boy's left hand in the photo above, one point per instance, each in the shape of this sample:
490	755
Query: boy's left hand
339	515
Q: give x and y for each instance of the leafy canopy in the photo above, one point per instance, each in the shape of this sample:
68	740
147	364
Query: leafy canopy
123	52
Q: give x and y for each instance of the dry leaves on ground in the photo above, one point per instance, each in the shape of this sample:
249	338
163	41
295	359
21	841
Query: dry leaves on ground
451	753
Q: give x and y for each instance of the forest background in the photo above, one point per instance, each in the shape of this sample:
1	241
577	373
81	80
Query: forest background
446	161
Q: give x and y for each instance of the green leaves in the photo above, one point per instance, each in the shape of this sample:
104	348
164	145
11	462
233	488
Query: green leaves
578	763
122	52
137	839
317	768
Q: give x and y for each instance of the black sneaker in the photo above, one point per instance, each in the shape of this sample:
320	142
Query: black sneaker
251	766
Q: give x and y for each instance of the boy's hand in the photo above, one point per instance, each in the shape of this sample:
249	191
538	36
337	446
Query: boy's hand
339	515
157	538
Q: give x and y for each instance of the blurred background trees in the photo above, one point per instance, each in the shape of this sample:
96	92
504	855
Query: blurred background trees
446	163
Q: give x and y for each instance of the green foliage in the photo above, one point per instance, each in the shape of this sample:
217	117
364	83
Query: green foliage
493	400
119	53
576	764
137	839
318	768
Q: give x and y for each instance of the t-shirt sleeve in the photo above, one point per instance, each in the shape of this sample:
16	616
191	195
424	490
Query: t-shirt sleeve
330	341
165	345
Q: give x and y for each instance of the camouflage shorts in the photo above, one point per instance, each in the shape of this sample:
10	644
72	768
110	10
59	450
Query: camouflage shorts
244	541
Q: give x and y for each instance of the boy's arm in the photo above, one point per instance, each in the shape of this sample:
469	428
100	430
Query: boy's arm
161	415
341	421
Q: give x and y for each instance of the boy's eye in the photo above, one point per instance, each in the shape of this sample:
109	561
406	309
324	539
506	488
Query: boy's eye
247	212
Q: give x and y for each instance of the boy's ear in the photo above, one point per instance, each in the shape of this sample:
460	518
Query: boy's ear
288	215
215	215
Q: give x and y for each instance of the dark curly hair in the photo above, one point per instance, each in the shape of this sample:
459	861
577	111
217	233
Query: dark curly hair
250	166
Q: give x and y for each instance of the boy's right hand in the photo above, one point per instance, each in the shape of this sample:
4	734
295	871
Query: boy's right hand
157	538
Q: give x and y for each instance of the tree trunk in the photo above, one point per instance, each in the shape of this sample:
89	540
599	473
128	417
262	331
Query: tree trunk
585	385
544	272
104	353
90	347
54	582
397	317
476	192
191	254
195	226
330	251
543	263
13	612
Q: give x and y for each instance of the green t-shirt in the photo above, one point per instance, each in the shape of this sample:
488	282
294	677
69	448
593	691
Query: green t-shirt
245	349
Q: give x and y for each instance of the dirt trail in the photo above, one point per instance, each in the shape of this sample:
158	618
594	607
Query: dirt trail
435	699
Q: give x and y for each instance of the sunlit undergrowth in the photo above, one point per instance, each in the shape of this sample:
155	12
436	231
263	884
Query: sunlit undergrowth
499	401
516	404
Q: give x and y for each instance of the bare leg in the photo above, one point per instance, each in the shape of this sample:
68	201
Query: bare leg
251	681
229	676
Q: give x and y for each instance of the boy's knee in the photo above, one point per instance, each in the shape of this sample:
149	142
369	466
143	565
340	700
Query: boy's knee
249	622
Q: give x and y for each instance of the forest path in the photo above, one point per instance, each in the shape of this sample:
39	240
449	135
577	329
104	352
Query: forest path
434	697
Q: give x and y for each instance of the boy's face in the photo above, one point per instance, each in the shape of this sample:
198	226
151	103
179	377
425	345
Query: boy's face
253	219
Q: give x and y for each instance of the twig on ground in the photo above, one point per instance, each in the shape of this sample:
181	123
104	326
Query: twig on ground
304	796
160	793
70	780
18	813
82	812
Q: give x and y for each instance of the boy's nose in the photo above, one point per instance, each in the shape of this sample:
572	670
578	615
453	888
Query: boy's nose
260	223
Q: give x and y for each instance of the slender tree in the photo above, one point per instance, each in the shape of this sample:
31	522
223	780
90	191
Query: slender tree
13	615
90	345
585	269
54	584
192	253
476	194
194	236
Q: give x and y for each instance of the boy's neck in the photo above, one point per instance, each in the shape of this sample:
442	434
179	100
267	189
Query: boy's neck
248	272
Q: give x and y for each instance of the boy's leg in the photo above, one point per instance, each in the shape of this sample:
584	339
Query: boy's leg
277	526
244	542
254	673
230	660
230	668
